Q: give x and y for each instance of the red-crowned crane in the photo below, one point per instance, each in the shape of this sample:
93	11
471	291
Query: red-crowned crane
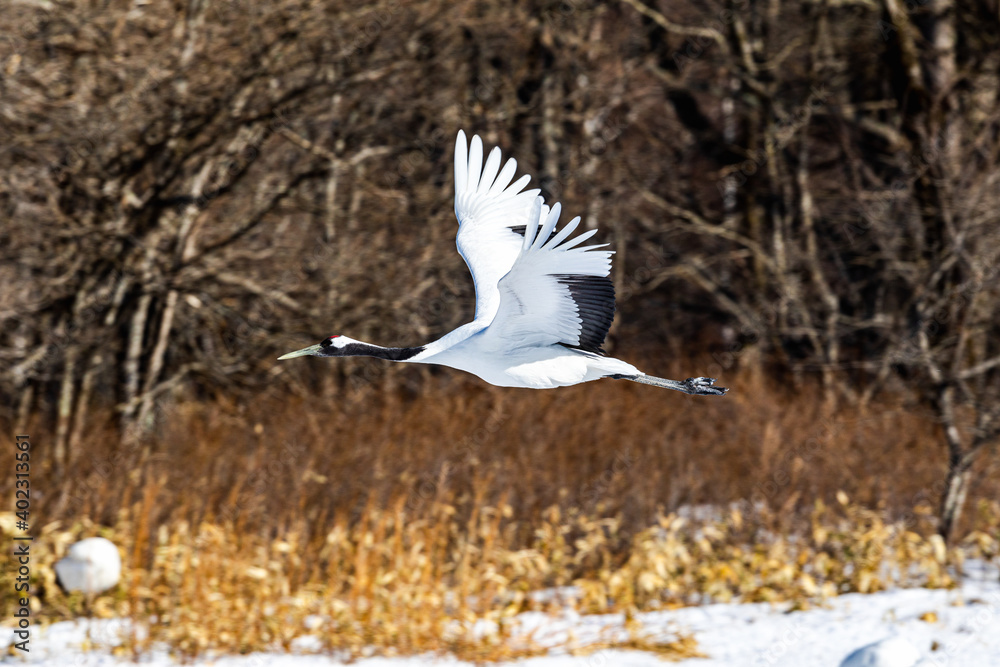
544	302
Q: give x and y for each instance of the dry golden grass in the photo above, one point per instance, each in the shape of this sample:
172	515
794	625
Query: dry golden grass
398	583
397	522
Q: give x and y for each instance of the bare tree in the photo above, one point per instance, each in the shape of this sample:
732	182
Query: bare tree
866	246
949	341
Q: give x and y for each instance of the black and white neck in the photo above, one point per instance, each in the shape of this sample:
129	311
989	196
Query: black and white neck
342	346
359	349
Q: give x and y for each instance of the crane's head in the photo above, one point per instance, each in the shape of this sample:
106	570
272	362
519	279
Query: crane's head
333	346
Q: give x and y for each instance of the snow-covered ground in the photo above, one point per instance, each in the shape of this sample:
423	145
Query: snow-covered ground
959	628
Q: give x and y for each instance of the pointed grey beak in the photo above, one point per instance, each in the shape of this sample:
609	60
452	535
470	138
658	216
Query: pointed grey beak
312	350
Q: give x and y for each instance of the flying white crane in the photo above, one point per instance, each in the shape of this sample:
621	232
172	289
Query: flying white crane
544	302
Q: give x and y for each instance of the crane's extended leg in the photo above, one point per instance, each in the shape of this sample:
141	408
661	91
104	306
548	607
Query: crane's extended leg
695	386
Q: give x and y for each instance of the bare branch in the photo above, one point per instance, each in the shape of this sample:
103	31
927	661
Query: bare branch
669	26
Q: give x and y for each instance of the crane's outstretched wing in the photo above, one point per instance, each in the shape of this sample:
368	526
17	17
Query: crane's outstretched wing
557	291
492	216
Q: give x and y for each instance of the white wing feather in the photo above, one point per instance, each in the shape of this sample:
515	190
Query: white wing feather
487	205
537	306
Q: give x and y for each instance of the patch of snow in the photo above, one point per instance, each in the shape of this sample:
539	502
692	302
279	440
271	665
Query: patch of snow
888	652
964	631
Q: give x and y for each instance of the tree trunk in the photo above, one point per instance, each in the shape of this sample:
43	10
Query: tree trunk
67	398
132	358
956	486
80	414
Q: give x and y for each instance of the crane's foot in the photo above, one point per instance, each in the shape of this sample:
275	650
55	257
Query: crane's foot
704	387
695	386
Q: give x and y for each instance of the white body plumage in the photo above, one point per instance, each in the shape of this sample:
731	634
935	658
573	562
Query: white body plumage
531	367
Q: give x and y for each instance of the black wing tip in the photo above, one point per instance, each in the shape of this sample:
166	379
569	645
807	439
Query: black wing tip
594	297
